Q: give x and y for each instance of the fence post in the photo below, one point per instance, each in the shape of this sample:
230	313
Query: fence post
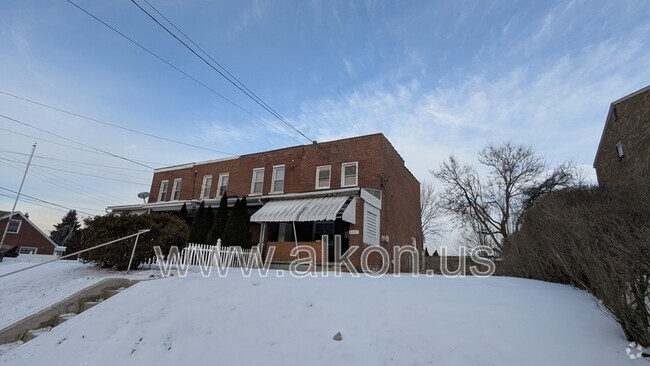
133	251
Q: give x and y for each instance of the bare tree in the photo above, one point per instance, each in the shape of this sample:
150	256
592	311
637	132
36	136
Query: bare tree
492	206
430	211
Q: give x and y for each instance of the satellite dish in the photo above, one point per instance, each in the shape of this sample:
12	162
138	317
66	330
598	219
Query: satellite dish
144	196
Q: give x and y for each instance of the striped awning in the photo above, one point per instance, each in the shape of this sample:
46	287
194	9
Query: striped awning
305	209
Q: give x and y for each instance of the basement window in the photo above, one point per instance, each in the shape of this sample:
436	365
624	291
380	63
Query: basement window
28	250
619	150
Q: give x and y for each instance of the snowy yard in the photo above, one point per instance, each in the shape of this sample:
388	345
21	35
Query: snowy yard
292	321
27	292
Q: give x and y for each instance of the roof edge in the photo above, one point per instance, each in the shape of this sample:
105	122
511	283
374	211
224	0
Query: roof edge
47	237
609	113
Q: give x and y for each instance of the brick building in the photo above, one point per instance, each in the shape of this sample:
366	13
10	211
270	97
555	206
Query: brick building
23	236
624	149
356	190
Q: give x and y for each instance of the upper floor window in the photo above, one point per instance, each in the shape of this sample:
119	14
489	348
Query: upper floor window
323	176
14	227
278	179
205	186
619	150
223	183
349	174
258	181
162	193
176	191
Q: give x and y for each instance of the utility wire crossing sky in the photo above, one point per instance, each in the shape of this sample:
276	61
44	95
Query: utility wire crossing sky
112	90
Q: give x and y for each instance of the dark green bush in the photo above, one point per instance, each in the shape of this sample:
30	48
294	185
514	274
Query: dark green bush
166	231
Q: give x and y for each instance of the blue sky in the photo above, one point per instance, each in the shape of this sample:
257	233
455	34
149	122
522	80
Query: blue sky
436	77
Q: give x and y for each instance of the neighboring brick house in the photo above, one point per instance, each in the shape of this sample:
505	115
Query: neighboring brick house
356	188
23	234
624	149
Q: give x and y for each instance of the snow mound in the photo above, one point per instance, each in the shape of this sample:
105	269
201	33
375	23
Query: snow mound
328	321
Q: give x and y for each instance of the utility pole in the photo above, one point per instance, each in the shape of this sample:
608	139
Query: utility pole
13	209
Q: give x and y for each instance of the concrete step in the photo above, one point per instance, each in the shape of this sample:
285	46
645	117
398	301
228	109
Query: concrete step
110	293
63	318
4	348
59	312
31	334
87	305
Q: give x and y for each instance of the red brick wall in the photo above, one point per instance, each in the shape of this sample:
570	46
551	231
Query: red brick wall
300	168
283	250
28	236
400	215
629	123
379	167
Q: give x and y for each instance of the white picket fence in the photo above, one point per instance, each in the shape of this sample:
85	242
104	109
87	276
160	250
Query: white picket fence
202	254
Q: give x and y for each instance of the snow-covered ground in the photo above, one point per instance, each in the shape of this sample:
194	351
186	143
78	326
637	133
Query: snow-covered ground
27	292
292	321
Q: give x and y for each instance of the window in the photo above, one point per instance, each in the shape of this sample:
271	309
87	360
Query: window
223	184
162	194
205	187
258	181
28	250
278	179
176	191
323	175
349	174
14	226
619	150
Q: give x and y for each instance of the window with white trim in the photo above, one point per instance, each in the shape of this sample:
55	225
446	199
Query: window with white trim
176	191
278	179
162	193
258	181
349	174
206	185
223	183
28	250
14	226
323	176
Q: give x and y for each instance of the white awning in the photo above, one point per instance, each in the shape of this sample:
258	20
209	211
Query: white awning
306	209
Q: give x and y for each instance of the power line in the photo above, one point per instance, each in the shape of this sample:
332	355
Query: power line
84	174
71	147
31	202
233	80
79	143
94	169
75	162
48	141
179	70
112	124
52	203
56	180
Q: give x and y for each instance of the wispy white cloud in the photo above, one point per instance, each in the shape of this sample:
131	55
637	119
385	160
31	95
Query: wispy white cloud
559	20
559	107
349	68
251	15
